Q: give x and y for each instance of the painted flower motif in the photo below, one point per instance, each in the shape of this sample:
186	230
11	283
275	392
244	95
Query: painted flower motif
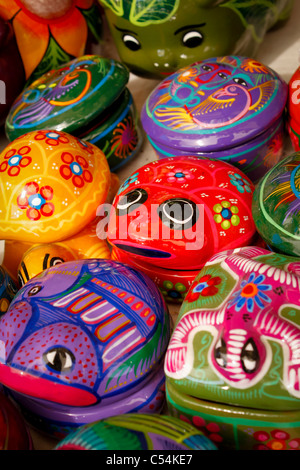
209	428
276	440
36	201
252	66
226	215
179	176
205	287
125	138
188	74
75	168
252	292
241	183
51	137
39	25
173	292
15	159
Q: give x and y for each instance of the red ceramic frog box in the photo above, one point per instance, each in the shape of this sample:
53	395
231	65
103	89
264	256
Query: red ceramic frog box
171	215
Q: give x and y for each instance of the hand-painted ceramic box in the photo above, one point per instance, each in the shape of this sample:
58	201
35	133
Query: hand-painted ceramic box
14	433
171	215
276	206
294	109
52	185
49	34
137	432
86	97
232	364
225	108
89	344
157	37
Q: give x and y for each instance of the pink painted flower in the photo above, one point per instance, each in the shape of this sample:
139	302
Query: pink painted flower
179	176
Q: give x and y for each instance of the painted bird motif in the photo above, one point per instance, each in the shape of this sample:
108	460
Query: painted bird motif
225	106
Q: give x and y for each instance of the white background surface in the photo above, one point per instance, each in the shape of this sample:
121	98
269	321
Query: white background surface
280	51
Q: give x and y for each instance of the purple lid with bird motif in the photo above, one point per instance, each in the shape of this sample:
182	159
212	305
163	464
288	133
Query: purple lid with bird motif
214	104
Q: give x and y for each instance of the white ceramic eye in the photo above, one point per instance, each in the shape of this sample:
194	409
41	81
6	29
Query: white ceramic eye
59	359
192	39
178	214
249	357
131	42
131	200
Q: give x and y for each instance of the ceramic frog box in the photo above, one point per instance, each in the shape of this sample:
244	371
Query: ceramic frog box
157	37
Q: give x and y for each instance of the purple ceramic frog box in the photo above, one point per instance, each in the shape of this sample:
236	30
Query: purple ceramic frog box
227	108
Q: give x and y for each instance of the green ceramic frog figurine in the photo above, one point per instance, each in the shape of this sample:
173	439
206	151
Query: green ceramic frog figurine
157	37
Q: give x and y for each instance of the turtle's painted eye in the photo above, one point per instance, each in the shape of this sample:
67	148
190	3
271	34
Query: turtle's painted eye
222	75
178	214
59	359
131	201
240	81
131	42
34	290
250	357
221	353
192	39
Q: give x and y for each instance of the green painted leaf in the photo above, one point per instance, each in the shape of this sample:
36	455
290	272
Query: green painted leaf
143	12
152	11
93	21
54	57
115	5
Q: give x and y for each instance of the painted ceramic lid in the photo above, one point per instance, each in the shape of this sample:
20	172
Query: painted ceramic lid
176	212
89	344
52	185
236	339
214	104
276	206
69	97
137	432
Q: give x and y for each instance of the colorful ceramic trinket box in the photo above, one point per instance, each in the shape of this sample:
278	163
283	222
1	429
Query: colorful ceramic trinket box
86	97
171	215
52	186
49	34
225	108
137	432
276	206
232	364
157	37
14	433
294	109
89	344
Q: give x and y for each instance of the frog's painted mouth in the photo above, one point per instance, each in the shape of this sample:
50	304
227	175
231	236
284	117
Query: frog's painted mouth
44	389
146	252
